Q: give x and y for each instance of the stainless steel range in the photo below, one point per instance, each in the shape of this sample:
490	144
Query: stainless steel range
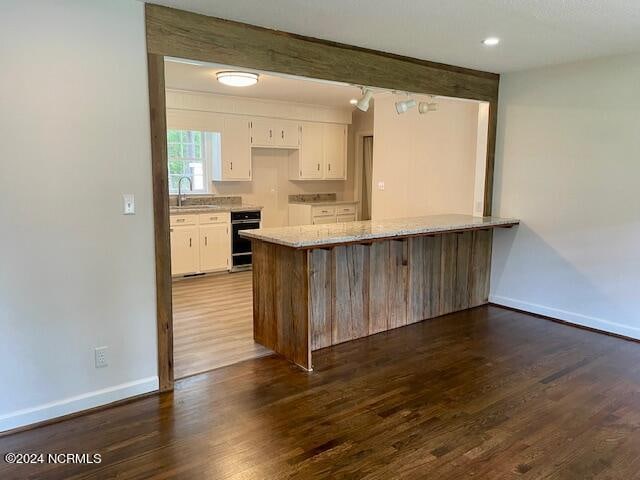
241	247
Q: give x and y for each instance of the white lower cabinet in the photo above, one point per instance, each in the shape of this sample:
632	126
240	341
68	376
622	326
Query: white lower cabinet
184	250
200	243
310	214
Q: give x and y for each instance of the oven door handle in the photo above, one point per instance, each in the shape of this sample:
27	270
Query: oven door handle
236	222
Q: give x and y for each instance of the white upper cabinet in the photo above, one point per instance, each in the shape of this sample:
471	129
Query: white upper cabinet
274	133
335	151
322	154
232	158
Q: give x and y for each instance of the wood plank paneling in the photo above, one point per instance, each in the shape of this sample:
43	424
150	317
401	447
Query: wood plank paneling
198	37
160	184
425	279
463	267
379	287
397	288
448	258
281	304
350	292
479	277
320	268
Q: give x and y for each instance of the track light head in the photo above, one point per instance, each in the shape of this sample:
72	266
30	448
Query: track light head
426	107
404	105
363	103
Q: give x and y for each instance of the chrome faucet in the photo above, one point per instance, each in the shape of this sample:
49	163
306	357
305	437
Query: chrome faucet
180	199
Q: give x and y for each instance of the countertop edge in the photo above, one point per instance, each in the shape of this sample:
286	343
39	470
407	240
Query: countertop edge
364	238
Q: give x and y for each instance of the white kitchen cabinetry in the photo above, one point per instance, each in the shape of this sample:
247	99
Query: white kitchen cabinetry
232	160
322	154
335	151
184	250
313	214
274	133
200	243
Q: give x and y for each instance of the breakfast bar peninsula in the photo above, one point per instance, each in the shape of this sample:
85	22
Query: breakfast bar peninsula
319	285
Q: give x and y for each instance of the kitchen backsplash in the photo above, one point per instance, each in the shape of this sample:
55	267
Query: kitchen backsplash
205	200
313	197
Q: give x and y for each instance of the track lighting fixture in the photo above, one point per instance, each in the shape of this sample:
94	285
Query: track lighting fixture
404	105
363	103
426	107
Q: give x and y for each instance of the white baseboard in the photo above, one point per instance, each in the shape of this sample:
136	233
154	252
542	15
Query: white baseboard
28	416
571	317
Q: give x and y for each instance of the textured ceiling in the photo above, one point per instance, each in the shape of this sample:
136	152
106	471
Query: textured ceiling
533	32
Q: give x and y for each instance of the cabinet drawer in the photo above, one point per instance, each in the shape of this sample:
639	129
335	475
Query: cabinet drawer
350	217
322	211
207	218
346	209
175	220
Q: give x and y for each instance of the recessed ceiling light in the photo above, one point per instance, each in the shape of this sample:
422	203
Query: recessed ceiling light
353	101
491	41
237	79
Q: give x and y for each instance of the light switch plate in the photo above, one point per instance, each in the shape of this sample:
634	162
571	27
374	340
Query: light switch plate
380	185
129	207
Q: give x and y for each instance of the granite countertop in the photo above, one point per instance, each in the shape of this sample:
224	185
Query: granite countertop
308	236
192	209
326	203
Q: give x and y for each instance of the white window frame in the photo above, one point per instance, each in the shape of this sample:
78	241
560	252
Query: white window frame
206	163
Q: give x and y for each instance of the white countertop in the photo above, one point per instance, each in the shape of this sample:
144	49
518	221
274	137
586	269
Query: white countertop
307	236
192	209
325	203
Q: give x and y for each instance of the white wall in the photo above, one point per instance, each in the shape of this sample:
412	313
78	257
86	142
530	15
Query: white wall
427	162
568	165
75	273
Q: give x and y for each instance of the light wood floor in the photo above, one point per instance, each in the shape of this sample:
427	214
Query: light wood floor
213	323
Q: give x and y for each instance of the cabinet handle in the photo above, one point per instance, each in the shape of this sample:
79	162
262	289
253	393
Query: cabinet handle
180	220
189	242
205	241
213	218
231	165
329	167
270	133
318	167
283	134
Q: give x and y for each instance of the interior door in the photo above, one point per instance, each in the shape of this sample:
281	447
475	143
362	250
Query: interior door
184	250
215	247
335	151
311	151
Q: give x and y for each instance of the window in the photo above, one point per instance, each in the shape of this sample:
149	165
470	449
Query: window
187	154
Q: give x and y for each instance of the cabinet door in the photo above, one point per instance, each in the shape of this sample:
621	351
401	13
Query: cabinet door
263	132
311	151
335	151
235	148
184	250
323	220
346	218
215	247
288	134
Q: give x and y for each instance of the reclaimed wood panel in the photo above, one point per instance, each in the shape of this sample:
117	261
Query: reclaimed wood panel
463	267
425	279
281	314
479	277
379	287
448	259
194	36
160	184
397	276
320	262
350	291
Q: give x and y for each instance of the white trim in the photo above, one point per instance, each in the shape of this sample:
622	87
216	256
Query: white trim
59	408
571	317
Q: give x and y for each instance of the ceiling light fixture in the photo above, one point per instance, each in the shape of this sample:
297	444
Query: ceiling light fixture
491	41
404	105
363	103
237	79
426	107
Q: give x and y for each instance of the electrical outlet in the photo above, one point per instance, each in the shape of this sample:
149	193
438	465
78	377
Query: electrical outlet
101	357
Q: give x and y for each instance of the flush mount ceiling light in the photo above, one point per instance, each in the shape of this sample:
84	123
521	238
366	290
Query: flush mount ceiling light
426	107
363	103
237	79
491	41
404	105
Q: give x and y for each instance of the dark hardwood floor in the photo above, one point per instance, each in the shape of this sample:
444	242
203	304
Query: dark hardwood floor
487	393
